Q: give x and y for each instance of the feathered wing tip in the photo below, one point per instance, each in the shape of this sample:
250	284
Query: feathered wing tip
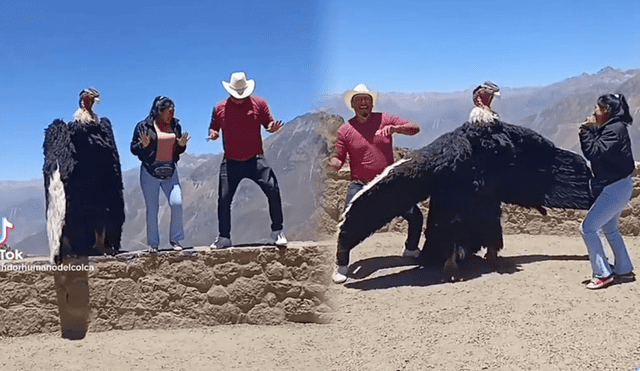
58	164
58	151
116	187
372	184
541	174
571	177
390	194
107	129
56	211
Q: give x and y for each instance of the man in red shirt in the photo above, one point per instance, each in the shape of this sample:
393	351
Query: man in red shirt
367	140
240	117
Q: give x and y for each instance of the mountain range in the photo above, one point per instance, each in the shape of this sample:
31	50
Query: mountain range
554	110
298	155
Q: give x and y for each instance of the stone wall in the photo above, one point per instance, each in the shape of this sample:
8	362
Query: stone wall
195	287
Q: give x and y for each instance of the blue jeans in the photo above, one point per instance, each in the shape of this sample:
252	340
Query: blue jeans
151	192
604	216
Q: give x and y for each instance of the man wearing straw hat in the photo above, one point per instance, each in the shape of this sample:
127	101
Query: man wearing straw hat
367	140
240	117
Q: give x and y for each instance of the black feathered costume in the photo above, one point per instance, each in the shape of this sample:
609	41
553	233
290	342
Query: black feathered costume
83	186
468	173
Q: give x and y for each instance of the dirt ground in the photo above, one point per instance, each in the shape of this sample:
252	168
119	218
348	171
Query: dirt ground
531	313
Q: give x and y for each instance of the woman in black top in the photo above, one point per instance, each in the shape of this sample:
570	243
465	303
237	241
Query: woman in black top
158	141
605	142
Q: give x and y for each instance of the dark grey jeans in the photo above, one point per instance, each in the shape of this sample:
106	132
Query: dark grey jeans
256	169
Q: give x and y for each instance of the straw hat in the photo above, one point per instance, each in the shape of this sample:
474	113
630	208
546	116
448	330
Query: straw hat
359	89
238	86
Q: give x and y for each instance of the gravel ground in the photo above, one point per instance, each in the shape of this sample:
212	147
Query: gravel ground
530	313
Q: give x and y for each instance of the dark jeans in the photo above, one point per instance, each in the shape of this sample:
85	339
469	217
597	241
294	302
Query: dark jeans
413	216
256	169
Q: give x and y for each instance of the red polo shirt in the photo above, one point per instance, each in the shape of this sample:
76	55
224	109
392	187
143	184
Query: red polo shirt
240	124
368	153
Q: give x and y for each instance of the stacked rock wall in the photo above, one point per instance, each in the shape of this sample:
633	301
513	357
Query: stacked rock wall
195	287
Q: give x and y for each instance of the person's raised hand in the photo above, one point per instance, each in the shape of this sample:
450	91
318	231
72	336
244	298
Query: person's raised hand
385	131
214	134
274	126
182	141
145	139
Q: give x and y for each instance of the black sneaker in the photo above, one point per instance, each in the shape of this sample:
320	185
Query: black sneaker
624	278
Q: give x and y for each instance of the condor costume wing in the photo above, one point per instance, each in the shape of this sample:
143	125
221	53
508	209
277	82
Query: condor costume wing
83	187
540	174
466	172
58	164
413	179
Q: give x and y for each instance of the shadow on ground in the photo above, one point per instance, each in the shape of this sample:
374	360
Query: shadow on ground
471	268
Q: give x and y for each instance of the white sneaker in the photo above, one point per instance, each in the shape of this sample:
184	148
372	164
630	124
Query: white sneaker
279	238
340	274
411	253
221	243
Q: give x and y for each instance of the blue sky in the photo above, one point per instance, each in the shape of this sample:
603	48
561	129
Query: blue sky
296	52
444	46
133	51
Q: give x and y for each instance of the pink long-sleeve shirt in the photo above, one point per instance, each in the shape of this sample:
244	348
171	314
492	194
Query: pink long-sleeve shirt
368	153
240	124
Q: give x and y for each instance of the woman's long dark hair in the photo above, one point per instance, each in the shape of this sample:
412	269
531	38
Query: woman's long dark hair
617	106
160	103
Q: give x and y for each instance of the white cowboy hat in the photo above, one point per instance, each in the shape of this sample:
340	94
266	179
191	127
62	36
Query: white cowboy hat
238	86
359	89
